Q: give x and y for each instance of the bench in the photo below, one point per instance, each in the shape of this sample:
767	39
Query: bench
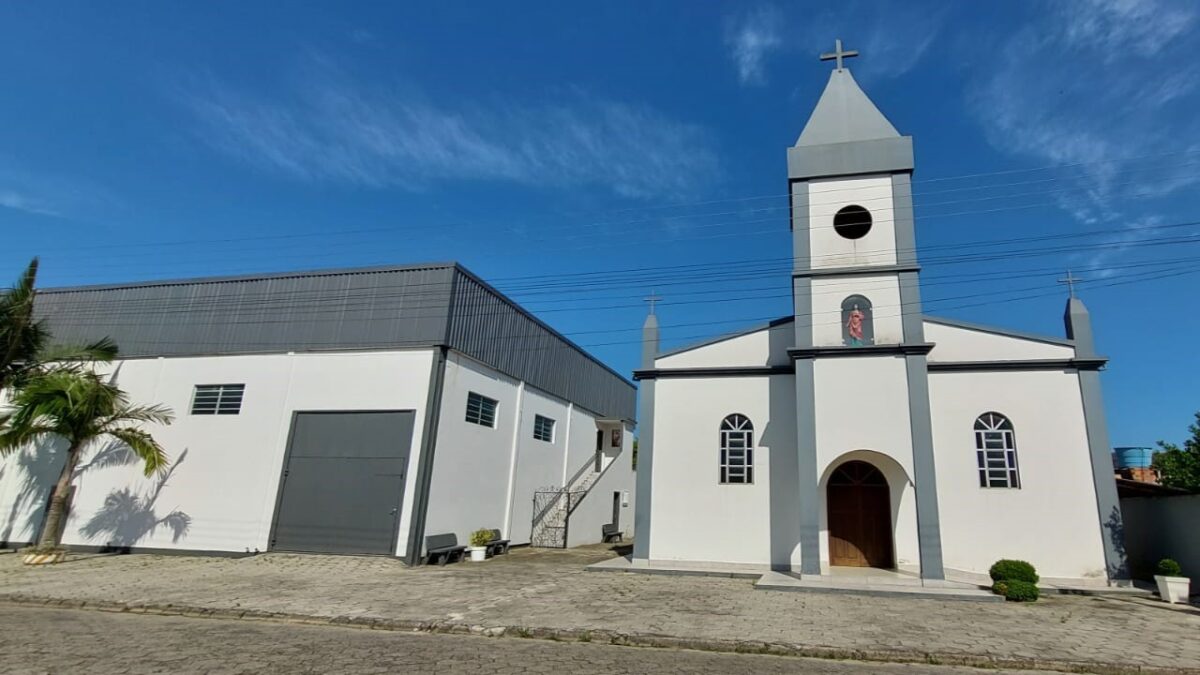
497	545
610	533
444	547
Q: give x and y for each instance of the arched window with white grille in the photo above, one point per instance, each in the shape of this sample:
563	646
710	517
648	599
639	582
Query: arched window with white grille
737	450
996	451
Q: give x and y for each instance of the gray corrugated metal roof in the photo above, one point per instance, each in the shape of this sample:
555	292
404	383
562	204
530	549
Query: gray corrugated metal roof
844	114
329	310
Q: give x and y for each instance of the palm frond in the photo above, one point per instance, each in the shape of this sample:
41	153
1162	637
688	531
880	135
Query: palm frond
154	458
21	336
150	414
14	439
102	350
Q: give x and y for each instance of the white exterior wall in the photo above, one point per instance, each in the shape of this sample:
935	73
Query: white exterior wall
862	413
766	347
1051	521
963	344
826	198
472	464
882	290
538	463
694	516
581	449
486	477
228	480
596	509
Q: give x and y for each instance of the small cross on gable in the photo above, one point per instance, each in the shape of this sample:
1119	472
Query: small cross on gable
1070	280
652	299
838	54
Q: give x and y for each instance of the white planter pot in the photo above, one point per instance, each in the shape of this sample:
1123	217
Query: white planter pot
1173	589
478	553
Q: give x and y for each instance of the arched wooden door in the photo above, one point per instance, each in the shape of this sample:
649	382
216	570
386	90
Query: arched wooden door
860	517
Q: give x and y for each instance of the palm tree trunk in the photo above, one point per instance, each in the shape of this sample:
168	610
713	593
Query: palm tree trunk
52	525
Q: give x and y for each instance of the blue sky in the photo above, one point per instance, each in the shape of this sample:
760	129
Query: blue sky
160	140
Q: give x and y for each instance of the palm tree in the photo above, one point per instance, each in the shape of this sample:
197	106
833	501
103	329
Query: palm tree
78	407
24	340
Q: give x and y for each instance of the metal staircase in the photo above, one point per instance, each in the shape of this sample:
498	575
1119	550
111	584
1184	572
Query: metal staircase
552	506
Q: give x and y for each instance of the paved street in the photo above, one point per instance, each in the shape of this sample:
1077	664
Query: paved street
550	589
78	641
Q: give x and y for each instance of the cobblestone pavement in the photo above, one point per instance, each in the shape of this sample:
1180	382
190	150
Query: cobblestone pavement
81	641
552	590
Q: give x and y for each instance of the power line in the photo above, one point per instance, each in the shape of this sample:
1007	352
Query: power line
393	229
689	274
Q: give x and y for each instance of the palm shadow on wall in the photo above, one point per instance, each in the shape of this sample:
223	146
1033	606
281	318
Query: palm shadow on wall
127	516
39	468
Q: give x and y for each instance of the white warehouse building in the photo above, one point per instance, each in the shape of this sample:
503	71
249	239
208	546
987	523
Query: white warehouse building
348	411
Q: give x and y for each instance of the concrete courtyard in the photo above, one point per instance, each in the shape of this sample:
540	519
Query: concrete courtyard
548	594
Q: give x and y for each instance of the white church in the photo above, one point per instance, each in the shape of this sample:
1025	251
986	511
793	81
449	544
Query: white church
859	431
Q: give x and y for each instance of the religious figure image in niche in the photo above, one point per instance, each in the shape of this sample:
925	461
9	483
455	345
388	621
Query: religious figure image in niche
854	326
857	328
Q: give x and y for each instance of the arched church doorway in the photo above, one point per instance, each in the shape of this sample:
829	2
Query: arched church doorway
859	508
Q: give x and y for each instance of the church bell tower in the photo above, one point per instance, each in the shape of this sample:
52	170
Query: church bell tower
857	306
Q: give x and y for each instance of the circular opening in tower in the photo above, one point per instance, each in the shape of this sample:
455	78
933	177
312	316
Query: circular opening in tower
852	222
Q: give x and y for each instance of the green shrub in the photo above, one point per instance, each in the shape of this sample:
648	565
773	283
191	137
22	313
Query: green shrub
1021	591
1000	587
1013	570
481	537
1169	568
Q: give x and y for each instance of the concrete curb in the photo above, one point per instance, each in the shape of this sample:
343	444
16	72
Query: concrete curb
649	640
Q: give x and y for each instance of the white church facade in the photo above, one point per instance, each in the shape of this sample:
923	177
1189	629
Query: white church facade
859	431
344	411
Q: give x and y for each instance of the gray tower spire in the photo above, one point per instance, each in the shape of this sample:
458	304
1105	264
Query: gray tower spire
650	334
1112	529
1079	327
645	447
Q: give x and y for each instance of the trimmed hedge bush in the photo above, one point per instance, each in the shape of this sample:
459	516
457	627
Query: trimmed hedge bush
1169	568
1013	570
1020	591
1000	588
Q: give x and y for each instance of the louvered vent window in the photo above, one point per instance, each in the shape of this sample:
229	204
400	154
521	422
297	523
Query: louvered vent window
481	410
218	399
543	428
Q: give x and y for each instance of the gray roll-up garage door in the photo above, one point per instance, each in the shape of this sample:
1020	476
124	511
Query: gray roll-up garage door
343	483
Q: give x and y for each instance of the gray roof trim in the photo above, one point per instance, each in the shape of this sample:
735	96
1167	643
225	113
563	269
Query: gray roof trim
860	270
728	336
193	281
839	351
955	323
879	156
1096	363
521	310
719	371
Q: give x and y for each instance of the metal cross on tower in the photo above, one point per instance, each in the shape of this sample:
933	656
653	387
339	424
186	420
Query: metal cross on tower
652	299
837	54
1070	280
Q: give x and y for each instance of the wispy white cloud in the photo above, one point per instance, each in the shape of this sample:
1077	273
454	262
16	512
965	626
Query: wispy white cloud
332	128
1116	29
1116	245
897	39
18	201
1108	87
751	37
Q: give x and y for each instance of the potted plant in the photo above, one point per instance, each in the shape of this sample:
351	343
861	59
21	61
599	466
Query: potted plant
479	544
1173	587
